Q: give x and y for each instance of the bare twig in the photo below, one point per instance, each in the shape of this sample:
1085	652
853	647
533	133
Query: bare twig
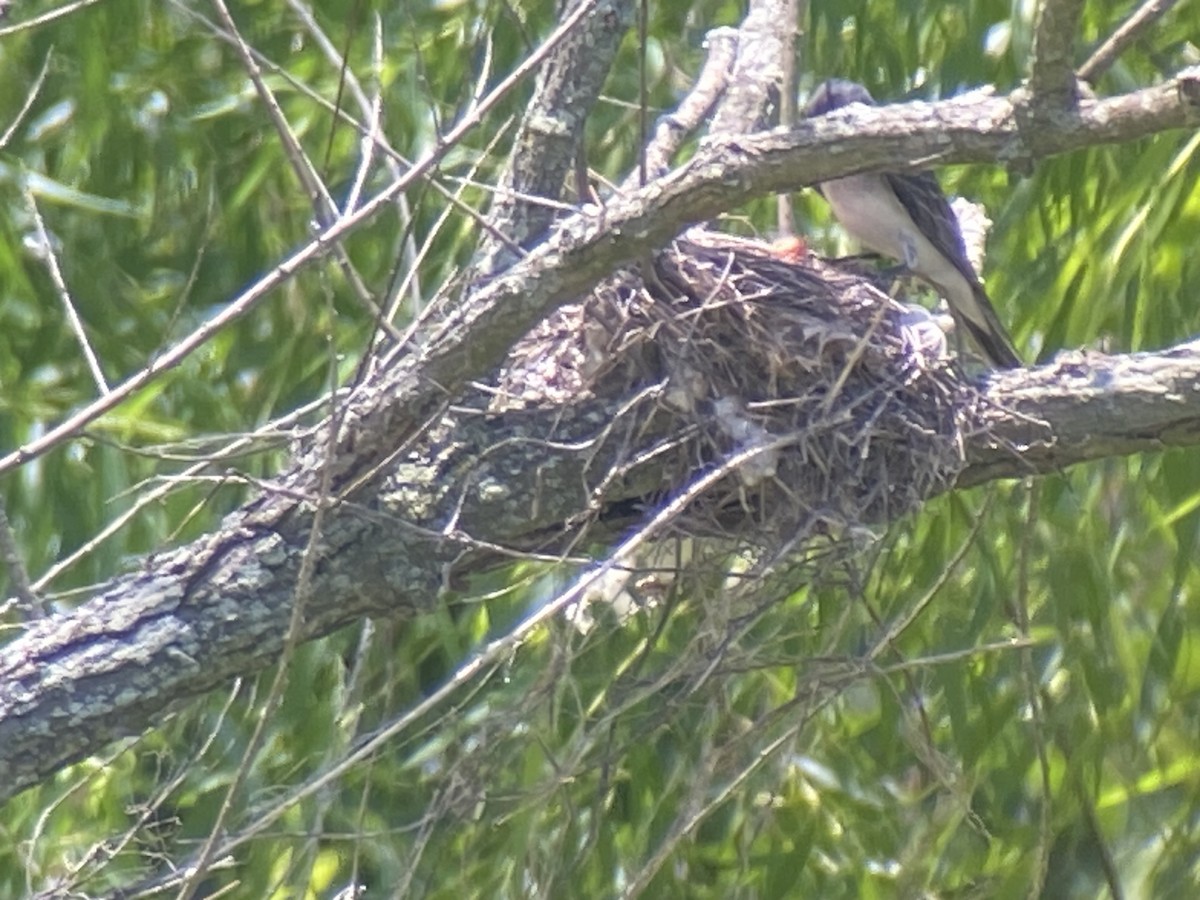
237	445
369	143
325	210
104	850
402	286
293	637
283	272
694	109
45	252
1033	693
486	660
891	632
1109	867
643	110
395	161
18	576
408	258
1127	32
31	96
54	14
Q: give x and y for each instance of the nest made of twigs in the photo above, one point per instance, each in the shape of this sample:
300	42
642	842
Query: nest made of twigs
828	407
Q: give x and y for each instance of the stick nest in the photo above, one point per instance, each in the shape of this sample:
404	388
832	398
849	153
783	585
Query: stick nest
829	408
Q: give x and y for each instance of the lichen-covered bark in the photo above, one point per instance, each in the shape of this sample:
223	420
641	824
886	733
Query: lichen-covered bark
414	506
473	487
191	619
550	135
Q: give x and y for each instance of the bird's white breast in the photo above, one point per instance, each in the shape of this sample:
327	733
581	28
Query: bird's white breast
867	208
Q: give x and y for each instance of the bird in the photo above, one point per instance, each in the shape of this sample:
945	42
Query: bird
907	217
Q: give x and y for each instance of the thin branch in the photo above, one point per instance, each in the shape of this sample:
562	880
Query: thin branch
305	171
892	631
45	252
144	811
694	109
277	429
325	210
487	659
302	596
54	14
399	286
1108	863
1127	32
751	98
1052	71
371	140
1033	692
395	161
643	104
285	270
31	96
18	576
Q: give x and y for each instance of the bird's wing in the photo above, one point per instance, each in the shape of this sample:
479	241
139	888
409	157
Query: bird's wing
922	198
989	333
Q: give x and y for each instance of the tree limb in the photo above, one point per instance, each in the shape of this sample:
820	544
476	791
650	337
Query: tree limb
1085	406
419	504
701	100
1052	71
193	618
752	94
590	245
1110	51
551	131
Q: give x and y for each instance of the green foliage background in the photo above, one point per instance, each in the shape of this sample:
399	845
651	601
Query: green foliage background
947	766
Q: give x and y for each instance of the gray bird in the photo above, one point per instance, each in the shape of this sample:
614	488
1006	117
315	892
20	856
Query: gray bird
907	217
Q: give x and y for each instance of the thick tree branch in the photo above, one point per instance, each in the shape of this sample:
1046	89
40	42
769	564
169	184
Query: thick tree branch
1052	72
588	246
194	618
420	505
1085	406
551	131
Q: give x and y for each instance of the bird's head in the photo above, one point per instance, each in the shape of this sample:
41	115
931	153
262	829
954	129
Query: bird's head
835	93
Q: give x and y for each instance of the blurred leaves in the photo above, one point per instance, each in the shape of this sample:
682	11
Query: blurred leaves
699	748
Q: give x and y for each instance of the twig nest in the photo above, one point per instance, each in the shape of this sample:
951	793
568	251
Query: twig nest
830	404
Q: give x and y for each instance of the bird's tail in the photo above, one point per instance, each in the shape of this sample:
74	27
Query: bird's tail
983	325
